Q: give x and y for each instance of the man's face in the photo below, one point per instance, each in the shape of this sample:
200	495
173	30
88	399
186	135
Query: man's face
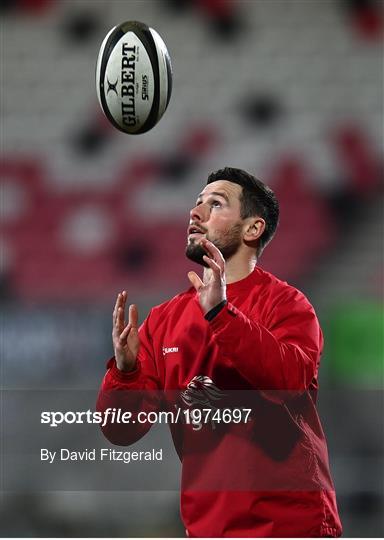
216	216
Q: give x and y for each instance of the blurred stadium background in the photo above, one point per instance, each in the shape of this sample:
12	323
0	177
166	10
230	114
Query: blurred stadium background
289	89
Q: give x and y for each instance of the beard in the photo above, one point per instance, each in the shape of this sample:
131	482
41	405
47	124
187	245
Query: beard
227	242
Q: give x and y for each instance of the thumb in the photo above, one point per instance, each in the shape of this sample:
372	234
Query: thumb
195	280
133	315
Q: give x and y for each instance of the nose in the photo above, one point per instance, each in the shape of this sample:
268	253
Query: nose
197	213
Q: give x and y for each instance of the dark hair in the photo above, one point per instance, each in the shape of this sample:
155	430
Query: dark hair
256	199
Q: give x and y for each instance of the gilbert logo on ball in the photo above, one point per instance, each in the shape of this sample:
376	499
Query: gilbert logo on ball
133	77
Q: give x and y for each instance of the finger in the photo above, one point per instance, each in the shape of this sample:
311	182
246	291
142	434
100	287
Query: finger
120	302
123	299
213	265
133	315
120	319
125	333
114	314
195	280
213	251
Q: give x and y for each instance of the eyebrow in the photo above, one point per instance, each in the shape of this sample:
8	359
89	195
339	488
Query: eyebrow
216	193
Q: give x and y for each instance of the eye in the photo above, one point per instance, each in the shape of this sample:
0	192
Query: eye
216	204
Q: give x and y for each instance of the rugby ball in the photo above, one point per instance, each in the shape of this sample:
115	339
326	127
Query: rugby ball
133	77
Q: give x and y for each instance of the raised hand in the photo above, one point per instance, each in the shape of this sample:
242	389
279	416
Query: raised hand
212	290
125	335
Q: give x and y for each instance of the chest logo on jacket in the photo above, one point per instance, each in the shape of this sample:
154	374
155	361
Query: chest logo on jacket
168	350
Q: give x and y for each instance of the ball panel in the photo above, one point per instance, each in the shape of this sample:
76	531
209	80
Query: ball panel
99	62
109	43
169	76
147	40
129	83
165	72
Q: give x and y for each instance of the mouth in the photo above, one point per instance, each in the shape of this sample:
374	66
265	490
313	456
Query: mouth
195	232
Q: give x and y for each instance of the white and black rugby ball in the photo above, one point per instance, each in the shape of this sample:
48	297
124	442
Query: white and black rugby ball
133	77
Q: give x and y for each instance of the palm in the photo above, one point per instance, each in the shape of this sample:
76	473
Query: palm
212	290
131	346
125	335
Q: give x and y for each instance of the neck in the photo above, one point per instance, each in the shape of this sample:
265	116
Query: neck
237	268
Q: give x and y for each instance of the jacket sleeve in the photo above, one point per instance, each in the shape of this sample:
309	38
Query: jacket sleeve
135	391
281	355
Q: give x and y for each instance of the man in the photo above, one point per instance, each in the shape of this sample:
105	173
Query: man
239	338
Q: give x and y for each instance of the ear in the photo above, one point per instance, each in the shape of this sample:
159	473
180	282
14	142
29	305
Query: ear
254	229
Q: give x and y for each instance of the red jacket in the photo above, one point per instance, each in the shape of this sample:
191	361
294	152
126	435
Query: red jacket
269	476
